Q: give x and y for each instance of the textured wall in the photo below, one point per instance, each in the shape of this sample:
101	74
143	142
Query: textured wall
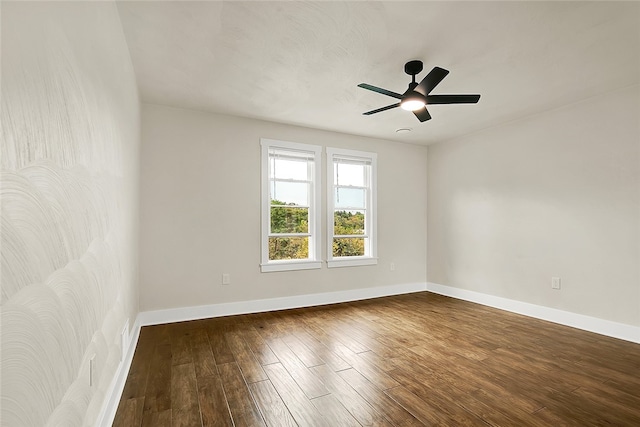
70	142
556	194
200	211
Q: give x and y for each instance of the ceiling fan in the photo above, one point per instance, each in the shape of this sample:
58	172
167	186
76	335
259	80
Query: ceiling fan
417	97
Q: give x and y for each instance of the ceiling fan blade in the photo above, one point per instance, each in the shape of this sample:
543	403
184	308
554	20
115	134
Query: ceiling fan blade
422	114
452	99
431	80
380	90
388	107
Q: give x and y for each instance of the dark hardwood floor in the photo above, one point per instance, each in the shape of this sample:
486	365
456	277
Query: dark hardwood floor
410	360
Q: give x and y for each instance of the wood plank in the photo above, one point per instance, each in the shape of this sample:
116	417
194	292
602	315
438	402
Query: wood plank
373	373
384	363
241	404
355	404
268	326
273	409
185	409
334	412
302	410
203	358
258	346
327	355
158	390
157	419
180	348
628	389
221	351
619	412
378	400
136	383
499	415
308	383
422	410
302	352
156	335
213	402
249	365
129	412
547	417
338	331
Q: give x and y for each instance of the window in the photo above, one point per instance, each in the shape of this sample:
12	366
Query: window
351	204
290	206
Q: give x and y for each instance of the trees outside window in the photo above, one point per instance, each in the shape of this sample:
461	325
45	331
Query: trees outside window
351	207
290	205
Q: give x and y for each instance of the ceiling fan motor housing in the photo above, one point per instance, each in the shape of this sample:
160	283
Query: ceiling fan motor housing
413	67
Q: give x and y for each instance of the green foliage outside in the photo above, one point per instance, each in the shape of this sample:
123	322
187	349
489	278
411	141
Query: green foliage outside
288	248
346	223
288	218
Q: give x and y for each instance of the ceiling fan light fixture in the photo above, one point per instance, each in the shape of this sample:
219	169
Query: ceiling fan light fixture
412	102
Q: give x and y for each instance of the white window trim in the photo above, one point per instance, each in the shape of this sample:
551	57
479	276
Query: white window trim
314	261
372	210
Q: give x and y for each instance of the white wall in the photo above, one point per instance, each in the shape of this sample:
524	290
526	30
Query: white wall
70	146
556	194
200	211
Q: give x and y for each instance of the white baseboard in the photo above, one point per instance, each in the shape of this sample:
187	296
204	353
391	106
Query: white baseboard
579	321
271	304
114	392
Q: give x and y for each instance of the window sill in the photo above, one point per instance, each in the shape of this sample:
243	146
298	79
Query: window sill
352	262
290	265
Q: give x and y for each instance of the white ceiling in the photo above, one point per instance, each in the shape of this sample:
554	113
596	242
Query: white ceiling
300	62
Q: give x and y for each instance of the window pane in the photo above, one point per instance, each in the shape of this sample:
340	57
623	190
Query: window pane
349	197
348	222
288	248
290	193
289	169
349	174
289	220
348	246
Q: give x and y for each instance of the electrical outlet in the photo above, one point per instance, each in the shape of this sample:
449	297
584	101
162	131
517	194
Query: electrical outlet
392	266
555	283
226	279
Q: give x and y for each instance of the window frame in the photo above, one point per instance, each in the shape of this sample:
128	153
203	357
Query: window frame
371	226
314	216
